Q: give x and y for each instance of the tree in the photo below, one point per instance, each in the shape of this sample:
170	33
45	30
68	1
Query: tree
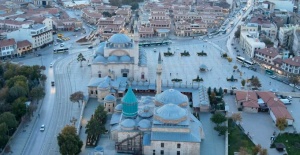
9	119
93	130
215	90
3	135
221	129
16	92
255	82
243	82
209	91
281	123
237	32
256	149
235	67
243	151
236	117
80	58
218	118
268	42
100	114
19	107
43	78
229	59
37	93
68	141
263	152
106	14
220	93
294	79
77	97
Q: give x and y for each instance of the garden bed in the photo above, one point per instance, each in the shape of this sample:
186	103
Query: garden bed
291	141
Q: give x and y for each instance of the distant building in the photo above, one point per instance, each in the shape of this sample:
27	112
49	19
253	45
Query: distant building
39	35
8	48
250	42
291	65
24	47
265	57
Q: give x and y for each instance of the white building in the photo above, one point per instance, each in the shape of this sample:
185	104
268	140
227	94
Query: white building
8	47
39	35
285	34
296	42
291	65
250	42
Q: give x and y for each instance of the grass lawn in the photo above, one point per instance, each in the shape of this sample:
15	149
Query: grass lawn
237	139
291	142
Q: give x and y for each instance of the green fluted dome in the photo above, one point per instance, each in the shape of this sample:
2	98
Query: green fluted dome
130	104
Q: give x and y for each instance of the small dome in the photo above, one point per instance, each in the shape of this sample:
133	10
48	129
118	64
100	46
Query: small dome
98	149
125	58
144	124
112	58
119	39
119	108
109	98
128	124
172	96
105	84
99	58
171	114
100	50
145	112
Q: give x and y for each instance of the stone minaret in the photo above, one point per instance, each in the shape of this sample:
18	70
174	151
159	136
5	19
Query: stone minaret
158	75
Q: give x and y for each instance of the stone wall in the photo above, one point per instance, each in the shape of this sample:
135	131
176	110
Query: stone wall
170	148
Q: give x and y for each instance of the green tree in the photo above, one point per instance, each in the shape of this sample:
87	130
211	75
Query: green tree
77	97
281	123
100	114
93	130
235	67
68	141
43	78
12	82
9	119
80	58
3	135
4	93
16	92
256	149
294	79
221	129
255	82
37	93
220	93
218	118
209	91
19	107
268	42
243	82
237	32
106	14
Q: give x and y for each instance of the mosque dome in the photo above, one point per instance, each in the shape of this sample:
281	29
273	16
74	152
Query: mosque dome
145	112
119	108
171	114
128	124
100	50
144	124
99	58
171	96
130	104
112	58
125	58
110	98
119	39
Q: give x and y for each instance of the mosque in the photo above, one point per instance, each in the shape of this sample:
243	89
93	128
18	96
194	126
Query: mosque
117	61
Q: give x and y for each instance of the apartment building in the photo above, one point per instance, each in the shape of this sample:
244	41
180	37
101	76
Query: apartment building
291	65
296	41
39	35
95	3
250	42
265	27
146	32
187	16
125	12
11	25
106	8
183	29
285	35
266	57
8	48
42	2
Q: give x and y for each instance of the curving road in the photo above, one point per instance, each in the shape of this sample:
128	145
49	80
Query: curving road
57	110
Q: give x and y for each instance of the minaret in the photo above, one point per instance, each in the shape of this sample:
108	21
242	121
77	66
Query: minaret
158	75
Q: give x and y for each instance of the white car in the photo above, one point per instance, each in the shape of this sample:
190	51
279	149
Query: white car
273	76
290	98
42	128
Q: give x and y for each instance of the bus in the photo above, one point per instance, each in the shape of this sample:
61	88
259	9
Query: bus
60	50
244	61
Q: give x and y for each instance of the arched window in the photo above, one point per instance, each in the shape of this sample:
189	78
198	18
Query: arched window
92	92
143	75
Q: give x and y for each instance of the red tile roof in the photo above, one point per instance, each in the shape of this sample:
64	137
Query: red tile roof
272	52
242	95
23	43
8	42
281	112
295	61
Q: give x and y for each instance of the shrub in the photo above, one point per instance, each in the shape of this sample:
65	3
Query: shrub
224	55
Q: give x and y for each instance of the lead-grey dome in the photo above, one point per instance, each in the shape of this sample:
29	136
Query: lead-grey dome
119	39
170	114
125	58
119	108
144	124
100	50
110	98
128	124
112	58
145	112
171	96
99	58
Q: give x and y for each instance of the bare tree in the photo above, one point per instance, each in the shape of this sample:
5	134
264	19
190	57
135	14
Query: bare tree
77	97
236	117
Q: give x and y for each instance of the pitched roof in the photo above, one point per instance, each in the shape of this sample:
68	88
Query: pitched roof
242	96
272	52
23	43
8	42
266	96
281	112
295	61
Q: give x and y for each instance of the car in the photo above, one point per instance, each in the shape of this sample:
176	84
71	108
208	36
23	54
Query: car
290	98
292	85
237	51
55	44
38	55
42	128
90	47
273	76
51	65
89	64
238	55
205	40
234	47
52	83
62	45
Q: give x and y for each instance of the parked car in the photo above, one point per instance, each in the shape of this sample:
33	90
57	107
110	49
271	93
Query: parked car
51	65
273	76
52	83
62	45
290	98
90	47
42	128
38	55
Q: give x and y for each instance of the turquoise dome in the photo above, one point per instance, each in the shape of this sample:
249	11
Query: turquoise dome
130	104
119	39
